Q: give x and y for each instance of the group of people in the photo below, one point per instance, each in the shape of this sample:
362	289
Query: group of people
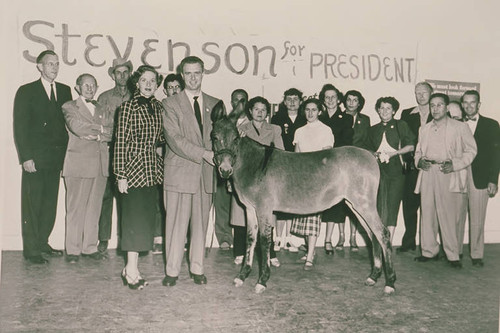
156	158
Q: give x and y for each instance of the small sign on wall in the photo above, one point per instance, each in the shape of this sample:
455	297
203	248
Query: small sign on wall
453	89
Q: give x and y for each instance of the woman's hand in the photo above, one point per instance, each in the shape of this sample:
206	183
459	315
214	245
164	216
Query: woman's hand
123	186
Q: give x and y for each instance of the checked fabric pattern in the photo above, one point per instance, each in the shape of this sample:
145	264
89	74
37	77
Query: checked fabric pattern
138	133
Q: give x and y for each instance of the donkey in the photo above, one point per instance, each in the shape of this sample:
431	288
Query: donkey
262	177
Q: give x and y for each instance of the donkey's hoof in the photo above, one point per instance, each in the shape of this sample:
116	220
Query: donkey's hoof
370	282
388	290
259	289
238	282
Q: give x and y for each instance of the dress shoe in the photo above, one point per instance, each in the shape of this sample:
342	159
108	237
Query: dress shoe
340	243
37	260
425	259
353	245
225	246
102	246
477	262
404	249
136	283
455	263
328	248
52	252
157	248
96	255
72	259
169	281
198	278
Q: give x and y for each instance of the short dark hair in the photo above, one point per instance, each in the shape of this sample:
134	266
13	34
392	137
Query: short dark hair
328	87
357	94
445	97
239	91
258	99
191	60
319	105
390	100
173	77
141	70
81	76
293	92
42	55
473	93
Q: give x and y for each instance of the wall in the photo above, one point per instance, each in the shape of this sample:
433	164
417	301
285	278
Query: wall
381	50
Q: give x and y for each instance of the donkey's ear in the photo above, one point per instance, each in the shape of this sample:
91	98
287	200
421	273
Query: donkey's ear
218	111
238	111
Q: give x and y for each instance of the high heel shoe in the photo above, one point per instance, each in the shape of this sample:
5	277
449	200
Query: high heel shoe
340	243
137	284
328	248
352	243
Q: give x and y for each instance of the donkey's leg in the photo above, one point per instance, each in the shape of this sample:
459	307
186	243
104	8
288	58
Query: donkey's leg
265	231
380	241
252	230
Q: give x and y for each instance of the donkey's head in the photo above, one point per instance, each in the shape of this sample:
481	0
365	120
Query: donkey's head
225	137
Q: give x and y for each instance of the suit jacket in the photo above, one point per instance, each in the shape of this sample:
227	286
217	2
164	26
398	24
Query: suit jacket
486	165
39	129
413	119
87	158
184	164
268	134
341	124
460	149
361	127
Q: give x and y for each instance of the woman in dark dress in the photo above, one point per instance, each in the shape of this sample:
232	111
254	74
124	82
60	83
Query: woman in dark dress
139	169
390	139
341	124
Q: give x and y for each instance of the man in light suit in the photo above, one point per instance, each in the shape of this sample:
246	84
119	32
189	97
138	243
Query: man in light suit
444	151
189	172
41	140
482	175
86	168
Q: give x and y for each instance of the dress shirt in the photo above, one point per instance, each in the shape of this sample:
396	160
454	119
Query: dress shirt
200	101
46	85
89	105
472	124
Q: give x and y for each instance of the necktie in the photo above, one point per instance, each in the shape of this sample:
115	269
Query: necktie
472	119
52	94
92	101
197	113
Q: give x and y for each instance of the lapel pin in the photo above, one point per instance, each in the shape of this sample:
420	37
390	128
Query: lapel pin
392	126
340	116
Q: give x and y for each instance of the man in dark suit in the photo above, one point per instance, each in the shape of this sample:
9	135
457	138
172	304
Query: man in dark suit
415	117
482	175
41	139
189	172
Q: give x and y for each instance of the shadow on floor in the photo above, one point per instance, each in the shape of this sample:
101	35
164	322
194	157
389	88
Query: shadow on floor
89	296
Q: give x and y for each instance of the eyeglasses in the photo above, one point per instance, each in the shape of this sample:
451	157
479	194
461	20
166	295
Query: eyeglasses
173	87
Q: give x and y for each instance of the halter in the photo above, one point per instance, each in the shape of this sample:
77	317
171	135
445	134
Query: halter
227	151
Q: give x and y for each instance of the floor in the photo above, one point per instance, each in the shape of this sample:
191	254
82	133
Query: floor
89	296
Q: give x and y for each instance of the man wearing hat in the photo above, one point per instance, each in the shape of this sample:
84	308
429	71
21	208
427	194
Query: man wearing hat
111	100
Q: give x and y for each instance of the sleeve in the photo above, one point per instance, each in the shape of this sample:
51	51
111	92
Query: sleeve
418	149
330	139
76	124
297	136
176	140
469	148
277	139
22	119
407	136
493	177
122	135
